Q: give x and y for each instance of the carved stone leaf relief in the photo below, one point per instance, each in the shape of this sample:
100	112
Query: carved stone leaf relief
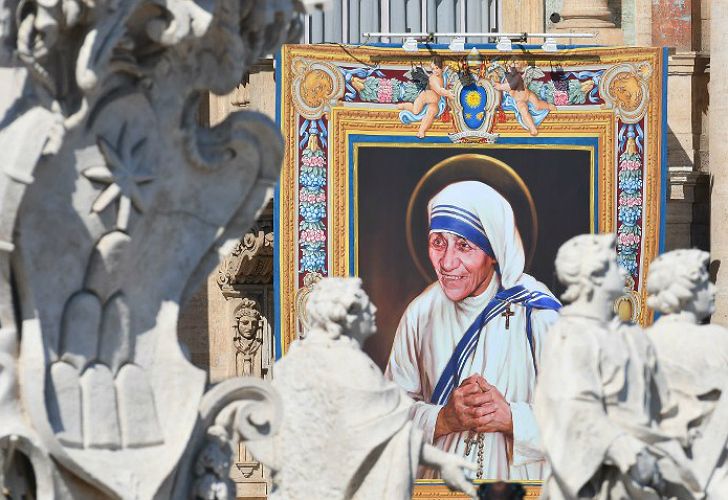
116	203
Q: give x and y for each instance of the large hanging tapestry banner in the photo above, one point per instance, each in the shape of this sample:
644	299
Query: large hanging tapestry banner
447	181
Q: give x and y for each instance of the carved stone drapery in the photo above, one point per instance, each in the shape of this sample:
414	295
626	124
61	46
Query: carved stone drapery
115	204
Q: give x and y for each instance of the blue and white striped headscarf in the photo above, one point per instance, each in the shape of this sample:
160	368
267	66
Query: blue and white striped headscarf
478	213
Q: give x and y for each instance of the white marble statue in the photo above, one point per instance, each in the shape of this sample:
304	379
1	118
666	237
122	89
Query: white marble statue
693	359
115	205
599	395
346	432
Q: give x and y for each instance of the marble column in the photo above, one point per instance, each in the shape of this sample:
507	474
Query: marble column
586	13
590	16
718	140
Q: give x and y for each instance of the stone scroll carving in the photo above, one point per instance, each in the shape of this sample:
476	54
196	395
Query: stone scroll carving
250	263
245	277
235	410
115	203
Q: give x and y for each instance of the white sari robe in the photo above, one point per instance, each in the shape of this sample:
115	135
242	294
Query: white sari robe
426	337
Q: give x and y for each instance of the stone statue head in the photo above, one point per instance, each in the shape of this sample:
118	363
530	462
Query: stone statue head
339	306
679	281
586	263
247	319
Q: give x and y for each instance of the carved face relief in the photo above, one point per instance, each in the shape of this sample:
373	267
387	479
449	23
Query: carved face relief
365	324
613	281
247	327
627	91
316	87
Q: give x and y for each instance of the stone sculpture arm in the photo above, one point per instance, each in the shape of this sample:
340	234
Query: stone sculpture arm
403	370
450	467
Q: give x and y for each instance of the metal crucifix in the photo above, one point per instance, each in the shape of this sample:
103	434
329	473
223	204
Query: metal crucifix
507	314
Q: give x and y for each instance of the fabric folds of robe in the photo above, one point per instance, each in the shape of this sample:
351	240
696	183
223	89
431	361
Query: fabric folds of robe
345	431
427	334
600	390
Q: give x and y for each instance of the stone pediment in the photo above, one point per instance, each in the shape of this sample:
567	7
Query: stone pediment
250	262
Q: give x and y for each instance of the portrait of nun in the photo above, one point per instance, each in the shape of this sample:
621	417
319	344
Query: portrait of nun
467	348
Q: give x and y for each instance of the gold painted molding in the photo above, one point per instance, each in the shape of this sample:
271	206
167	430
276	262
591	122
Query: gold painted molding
436	490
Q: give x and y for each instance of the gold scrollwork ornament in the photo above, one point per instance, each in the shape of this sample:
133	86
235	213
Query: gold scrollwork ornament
629	306
317	86
625	88
309	281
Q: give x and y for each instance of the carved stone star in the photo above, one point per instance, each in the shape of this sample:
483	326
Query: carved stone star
121	178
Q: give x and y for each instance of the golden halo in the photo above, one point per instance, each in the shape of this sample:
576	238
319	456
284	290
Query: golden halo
468	167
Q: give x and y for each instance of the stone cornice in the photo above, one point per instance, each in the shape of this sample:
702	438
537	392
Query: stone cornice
688	63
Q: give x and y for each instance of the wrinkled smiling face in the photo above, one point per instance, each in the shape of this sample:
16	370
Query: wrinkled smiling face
463	269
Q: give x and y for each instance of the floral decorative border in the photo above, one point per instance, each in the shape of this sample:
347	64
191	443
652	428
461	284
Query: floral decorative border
312	199
630	198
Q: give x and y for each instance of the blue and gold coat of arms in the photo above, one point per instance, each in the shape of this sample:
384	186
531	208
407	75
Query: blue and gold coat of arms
474	110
